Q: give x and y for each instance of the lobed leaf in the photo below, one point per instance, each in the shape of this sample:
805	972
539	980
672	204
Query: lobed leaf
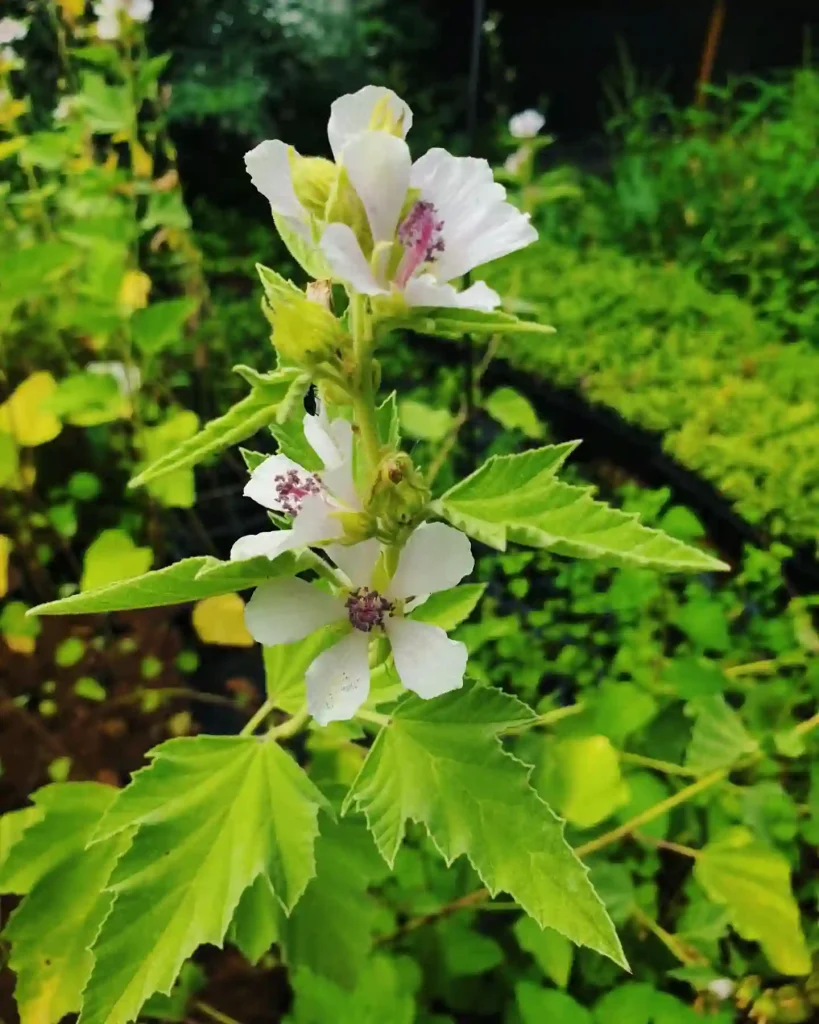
518	498
212	815
191	579
719	739
441	763
254	411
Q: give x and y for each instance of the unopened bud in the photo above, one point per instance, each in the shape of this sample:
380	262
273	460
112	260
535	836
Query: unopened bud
321	292
313	180
304	332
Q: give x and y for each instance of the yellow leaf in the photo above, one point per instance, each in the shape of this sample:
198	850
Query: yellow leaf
25	415
71	9
21	644
5	551
134	291
141	161
221	620
11	146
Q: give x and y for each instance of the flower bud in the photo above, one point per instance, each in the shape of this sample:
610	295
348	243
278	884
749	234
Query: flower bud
313	180
305	332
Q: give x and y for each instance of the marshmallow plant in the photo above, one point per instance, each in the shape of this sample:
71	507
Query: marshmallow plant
356	589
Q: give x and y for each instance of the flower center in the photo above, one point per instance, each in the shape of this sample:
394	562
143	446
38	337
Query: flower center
367	609
420	234
293	487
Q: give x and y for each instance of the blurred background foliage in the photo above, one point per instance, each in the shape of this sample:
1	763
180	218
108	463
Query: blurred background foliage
678	261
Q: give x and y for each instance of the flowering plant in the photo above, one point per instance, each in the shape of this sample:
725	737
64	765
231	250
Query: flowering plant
227	838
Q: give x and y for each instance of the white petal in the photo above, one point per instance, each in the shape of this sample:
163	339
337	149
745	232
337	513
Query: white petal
269	168
350	114
346	260
316	521
425	290
328	440
261	486
270	544
436	557
379	169
356	561
340	483
478	224
526	124
286	610
428	662
338	681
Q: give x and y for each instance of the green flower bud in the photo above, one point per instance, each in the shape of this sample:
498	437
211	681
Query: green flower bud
305	332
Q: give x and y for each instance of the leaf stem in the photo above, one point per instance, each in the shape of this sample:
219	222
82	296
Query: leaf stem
213	1013
547	718
250	727
289	728
659	766
684	954
373	716
666	844
363	398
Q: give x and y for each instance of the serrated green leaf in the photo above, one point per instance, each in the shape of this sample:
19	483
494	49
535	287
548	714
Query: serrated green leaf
330	929
255	925
12	826
552	951
386	418
455	323
753	882
537	1005
254	411
449	608
52	931
518	498
441	763
719	739
213	813
382	995
290	438
189	580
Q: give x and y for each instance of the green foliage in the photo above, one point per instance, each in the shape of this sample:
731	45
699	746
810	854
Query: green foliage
518	498
440	763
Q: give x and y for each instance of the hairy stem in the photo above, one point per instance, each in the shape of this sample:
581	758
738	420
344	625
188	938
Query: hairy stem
258	718
289	728
659	766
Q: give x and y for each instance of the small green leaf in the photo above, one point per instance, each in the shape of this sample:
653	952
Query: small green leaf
753	882
382	996
213	814
581	777
254	411
387	419
537	1005
111	559
424	421
514	412
189	580
449	608
161	324
552	951
719	738
440	763
90	689
69	652
518	498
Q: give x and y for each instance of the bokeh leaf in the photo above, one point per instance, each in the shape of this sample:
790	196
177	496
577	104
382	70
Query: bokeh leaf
221	620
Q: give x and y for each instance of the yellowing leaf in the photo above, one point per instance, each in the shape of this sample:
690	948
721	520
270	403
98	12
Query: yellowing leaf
5	551
25	414
71	9
753	882
141	161
134	291
582	777
221	620
20	644
9	147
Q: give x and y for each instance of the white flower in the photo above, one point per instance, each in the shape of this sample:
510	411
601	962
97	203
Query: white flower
526	124
431	221
12	30
313	500
436	557
721	988
515	161
128	378
64	107
108	15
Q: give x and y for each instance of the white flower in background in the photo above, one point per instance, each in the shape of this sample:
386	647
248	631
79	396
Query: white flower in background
10	57
436	557
108	15
526	124
128	378
64	108
313	500
12	30
515	161
721	988
432	221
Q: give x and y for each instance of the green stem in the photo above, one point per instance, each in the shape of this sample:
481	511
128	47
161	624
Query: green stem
258	718
363	398
548	717
373	716
213	1013
659	766
291	726
685	955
